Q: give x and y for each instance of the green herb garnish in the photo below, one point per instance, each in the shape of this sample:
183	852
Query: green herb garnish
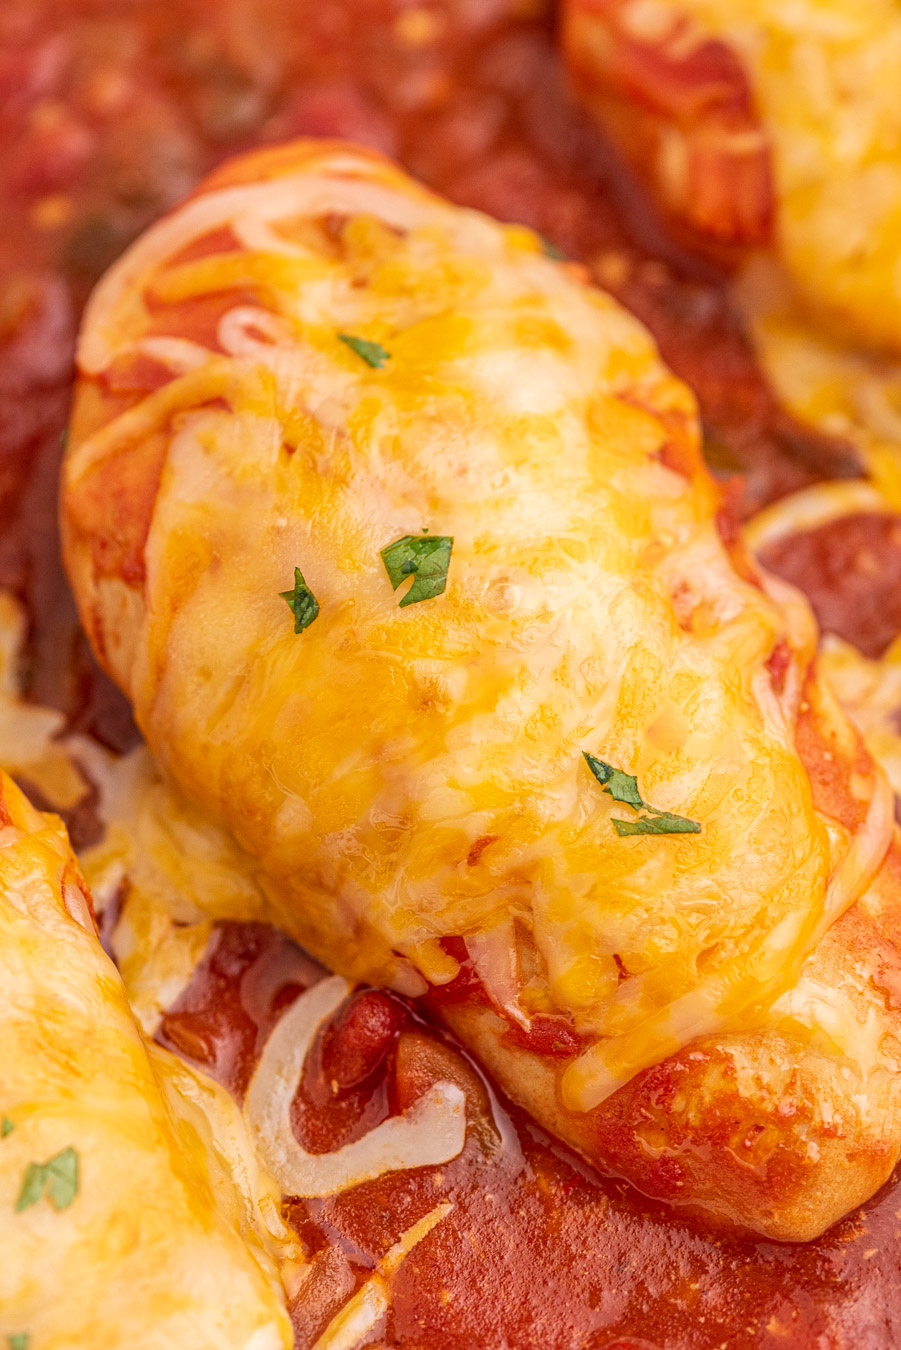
301	602
58	1177
425	559
552	251
373	353
623	787
18	1340
6	1127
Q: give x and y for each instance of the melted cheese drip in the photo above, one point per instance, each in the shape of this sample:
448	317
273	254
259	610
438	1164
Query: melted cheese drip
825	78
162	1241
170	871
590	605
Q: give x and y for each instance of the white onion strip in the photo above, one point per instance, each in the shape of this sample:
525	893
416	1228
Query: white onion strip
432	1131
810	508
370	1303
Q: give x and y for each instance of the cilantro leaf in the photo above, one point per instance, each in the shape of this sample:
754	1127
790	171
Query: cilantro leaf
552	251
58	1177
6	1127
373	353
623	787
425	559
301	602
664	823
18	1340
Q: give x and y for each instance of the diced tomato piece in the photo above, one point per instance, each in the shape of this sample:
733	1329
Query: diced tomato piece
360	1037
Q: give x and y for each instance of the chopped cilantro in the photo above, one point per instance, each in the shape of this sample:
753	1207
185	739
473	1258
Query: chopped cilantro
18	1340
58	1177
426	560
301	602
552	251
373	353
661	823
6	1127
623	787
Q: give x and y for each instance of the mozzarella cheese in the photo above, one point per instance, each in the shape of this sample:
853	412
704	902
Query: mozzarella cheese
404	775
154	1232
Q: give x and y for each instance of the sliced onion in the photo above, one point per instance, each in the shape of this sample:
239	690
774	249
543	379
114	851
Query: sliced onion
370	1303
432	1131
810	508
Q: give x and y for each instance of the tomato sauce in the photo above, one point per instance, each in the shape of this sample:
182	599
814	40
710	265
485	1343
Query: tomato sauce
109	113
538	1250
850	569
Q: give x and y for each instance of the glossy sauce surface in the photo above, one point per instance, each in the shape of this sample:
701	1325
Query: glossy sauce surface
537	1250
108	114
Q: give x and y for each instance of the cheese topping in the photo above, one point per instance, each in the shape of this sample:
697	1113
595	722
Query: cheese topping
170	872
844	391
149	1232
825	78
408	774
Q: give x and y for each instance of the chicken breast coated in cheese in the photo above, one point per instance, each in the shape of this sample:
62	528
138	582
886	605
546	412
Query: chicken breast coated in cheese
399	540
762	123
121	1224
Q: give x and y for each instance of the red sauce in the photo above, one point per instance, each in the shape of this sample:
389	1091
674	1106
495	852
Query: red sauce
538	1249
850	570
109	113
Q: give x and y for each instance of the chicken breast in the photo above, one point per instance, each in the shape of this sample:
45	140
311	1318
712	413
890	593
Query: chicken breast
123	1221
399	540
763	124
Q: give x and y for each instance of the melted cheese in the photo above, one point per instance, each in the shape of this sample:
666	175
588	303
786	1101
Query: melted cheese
365	1310
856	395
590	605
164	1241
825	78
171	872
870	693
839	389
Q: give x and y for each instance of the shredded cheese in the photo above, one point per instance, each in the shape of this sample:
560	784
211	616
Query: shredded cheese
160	1239
824	77
179	873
